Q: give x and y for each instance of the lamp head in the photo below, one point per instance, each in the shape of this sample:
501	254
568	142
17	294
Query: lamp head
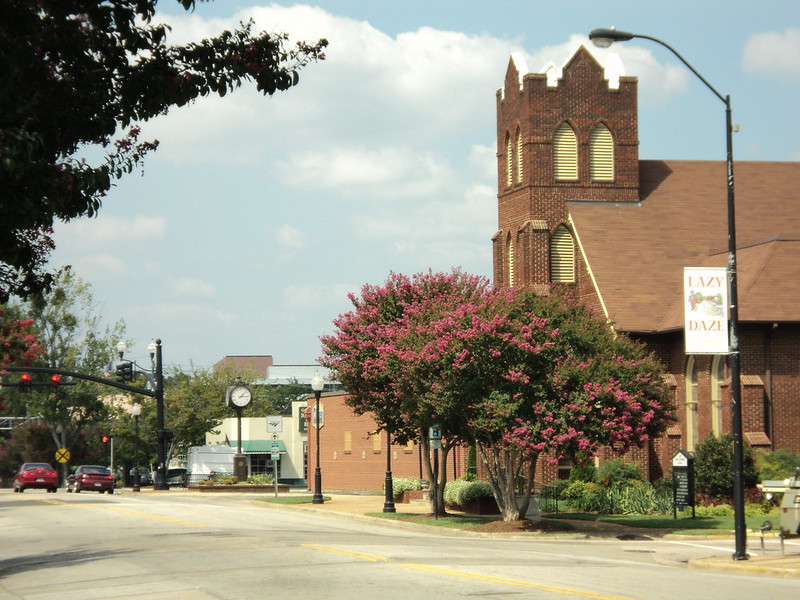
317	383
121	347
603	38
136	409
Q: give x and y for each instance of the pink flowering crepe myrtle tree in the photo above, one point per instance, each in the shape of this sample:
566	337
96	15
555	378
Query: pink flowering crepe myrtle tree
18	344
516	374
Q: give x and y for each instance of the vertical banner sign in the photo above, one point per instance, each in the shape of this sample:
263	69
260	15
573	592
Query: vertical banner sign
705	293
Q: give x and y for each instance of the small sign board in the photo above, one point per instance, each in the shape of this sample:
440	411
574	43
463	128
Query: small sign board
275	452
62	455
274	424
435	436
682	482
318	418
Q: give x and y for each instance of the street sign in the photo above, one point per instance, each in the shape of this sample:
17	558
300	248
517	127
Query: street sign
274	424
275	451
62	455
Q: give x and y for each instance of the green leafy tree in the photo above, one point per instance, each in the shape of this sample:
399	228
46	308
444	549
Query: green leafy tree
713	468
70	329
77	73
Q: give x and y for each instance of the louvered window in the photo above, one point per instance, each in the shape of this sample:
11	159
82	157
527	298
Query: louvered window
562	256
511	278
519	156
565	153
509	161
601	154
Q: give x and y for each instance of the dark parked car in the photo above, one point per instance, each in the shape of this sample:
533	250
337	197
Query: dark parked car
91	477
145	476
36	475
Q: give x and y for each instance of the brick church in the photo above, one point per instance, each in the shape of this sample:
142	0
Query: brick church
578	208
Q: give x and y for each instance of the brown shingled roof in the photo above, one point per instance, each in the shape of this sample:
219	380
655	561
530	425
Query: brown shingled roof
637	252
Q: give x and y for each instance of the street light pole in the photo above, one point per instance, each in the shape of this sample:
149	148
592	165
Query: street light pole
136	410
161	472
388	504
603	38
317	384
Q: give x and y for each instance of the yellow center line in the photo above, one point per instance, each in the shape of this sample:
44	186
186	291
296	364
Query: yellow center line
131	513
474	576
369	557
514	582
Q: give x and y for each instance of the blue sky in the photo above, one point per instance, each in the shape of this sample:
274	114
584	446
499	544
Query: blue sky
257	216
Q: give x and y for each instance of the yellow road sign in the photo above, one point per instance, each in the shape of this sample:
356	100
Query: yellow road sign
62	455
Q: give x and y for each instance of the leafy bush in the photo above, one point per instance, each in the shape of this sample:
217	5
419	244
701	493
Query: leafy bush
260	479
714	467
461	492
777	464
584	472
401	484
616	471
718	510
586	496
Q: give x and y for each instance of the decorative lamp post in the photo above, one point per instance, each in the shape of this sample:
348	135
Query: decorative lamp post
317	384
388	503
136	410
603	38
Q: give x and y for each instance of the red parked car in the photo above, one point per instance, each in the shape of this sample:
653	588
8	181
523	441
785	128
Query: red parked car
36	475
91	477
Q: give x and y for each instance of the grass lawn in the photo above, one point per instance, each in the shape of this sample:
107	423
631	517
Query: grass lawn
292	499
683	524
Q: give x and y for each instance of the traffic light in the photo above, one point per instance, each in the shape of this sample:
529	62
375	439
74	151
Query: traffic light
106	438
25	383
124	372
56	379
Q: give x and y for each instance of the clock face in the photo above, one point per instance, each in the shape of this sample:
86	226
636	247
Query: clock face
240	396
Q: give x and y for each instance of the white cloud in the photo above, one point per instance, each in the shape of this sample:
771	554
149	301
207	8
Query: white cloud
311	296
290	237
106	231
773	53
188	286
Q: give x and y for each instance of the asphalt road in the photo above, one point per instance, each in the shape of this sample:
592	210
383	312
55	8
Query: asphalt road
185	546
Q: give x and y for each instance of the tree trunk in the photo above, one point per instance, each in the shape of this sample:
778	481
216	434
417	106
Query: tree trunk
502	468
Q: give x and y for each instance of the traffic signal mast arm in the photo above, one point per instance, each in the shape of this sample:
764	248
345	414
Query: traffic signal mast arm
101	380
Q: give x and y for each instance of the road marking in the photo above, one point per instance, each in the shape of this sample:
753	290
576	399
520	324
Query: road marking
131	513
466	575
515	583
369	557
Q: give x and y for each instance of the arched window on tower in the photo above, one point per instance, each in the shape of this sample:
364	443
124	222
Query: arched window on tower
691	404
565	153
510	258
509	161
562	256
601	154
520	171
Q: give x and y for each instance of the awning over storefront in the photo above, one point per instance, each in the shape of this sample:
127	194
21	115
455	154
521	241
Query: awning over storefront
258	446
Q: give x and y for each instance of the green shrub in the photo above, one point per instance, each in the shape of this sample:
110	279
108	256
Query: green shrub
260	479
720	510
616	471
777	464
461	492
586	496
401	484
584	472
714	467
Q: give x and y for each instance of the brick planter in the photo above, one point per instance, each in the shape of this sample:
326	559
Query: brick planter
241	489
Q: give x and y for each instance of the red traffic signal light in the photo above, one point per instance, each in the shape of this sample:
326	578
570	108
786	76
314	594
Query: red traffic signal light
106	439
56	379
25	382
